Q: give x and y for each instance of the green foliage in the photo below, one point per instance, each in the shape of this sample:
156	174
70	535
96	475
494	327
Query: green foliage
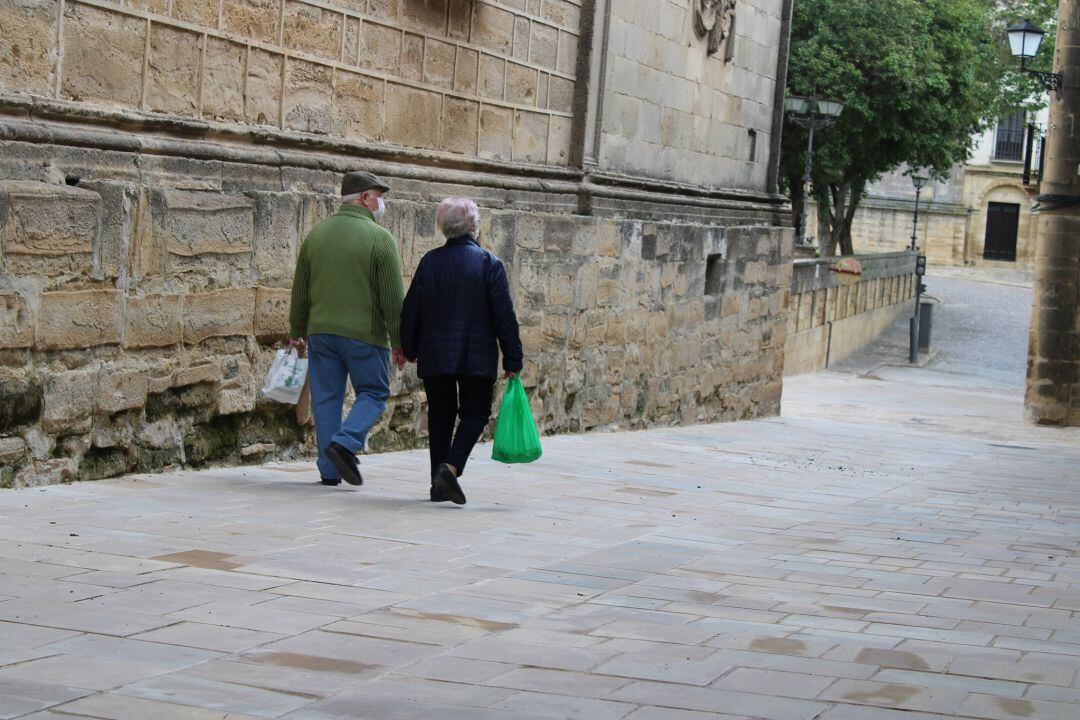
919	79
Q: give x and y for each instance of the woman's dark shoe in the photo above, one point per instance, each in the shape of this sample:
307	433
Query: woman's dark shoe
331	481
345	462
438	495
446	484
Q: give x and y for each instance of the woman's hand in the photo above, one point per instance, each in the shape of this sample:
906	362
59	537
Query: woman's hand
509	375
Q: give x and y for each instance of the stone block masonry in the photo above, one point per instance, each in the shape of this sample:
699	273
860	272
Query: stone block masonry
161	162
157	361
414	74
828	321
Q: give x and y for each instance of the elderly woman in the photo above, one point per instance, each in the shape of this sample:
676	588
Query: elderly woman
457	315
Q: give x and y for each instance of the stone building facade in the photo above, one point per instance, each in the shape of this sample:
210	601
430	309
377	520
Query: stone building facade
982	214
161	161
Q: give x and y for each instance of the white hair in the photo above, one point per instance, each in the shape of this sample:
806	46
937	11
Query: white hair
353	197
457	216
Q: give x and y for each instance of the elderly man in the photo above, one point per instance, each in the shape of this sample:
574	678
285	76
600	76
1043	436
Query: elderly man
456	317
345	312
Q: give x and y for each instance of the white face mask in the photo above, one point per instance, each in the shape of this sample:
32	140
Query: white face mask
378	212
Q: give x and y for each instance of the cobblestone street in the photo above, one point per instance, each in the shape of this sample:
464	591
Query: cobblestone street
898	545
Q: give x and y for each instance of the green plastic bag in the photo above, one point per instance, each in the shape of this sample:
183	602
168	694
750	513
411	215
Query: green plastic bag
516	438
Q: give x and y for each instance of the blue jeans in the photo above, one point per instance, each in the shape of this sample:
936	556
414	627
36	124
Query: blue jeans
333	359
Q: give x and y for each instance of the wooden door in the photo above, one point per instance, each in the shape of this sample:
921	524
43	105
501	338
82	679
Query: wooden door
1002	220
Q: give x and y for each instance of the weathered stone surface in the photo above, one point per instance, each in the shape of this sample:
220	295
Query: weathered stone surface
253	19
465	73
204	372
272	313
521	82
357	107
161	7
496	132
380	47
223	80
492	77
153	321
12	450
103	55
412	116
200	223
197	12
78	319
28	46
460	126
16	321
262	103
426	15
121	389
20	401
312	29
544	45
69	398
493	29
309	91
218	314
47	220
439	60
530	137
172	84
411	66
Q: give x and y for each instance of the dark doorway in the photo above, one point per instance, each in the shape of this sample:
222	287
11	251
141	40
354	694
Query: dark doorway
1001	222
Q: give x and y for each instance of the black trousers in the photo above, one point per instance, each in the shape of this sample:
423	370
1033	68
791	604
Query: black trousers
460	401
465	401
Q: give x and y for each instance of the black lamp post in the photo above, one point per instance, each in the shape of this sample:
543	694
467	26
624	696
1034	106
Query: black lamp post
812	114
1025	37
919	181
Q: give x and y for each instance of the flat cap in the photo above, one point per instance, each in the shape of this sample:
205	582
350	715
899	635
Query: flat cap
359	181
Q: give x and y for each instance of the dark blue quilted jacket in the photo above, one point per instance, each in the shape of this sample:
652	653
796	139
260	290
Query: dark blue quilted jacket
458	313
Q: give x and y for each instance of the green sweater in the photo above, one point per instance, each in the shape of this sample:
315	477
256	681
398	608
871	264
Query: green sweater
348	281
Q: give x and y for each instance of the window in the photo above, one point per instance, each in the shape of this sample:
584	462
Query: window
1010	137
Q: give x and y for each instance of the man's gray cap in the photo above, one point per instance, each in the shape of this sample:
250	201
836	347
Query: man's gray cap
359	181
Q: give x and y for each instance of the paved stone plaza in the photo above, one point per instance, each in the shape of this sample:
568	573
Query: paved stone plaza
893	541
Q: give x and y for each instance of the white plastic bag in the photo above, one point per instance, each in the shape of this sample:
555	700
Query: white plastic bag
285	380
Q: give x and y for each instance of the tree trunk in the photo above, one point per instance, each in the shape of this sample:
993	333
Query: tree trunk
836	212
825	224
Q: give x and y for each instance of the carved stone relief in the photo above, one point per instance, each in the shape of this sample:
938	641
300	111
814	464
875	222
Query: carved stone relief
715	20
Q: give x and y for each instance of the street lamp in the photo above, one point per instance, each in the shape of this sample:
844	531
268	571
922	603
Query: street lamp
919	181
812	114
1025	38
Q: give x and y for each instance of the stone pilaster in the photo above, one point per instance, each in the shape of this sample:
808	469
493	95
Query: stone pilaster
1053	385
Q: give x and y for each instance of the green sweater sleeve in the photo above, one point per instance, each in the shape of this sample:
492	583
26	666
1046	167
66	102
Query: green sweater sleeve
300	305
388	286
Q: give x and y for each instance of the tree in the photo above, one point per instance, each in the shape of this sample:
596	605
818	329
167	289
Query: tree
919	79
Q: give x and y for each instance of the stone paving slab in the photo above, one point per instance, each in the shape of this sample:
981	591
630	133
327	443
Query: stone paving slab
893	548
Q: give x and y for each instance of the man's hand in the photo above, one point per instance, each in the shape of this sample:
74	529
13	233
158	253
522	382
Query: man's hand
300	345
399	358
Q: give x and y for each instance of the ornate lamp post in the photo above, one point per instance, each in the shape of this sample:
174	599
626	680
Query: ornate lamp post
812	114
1025	37
919	181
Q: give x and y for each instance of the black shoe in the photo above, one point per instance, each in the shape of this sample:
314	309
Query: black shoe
438	495
331	481
345	462
446	483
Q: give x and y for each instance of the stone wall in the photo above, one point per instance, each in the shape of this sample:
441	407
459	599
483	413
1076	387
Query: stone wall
161	161
472	77
828	321
139	318
675	112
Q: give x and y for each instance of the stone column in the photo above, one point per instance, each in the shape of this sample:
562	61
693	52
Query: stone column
1053	383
